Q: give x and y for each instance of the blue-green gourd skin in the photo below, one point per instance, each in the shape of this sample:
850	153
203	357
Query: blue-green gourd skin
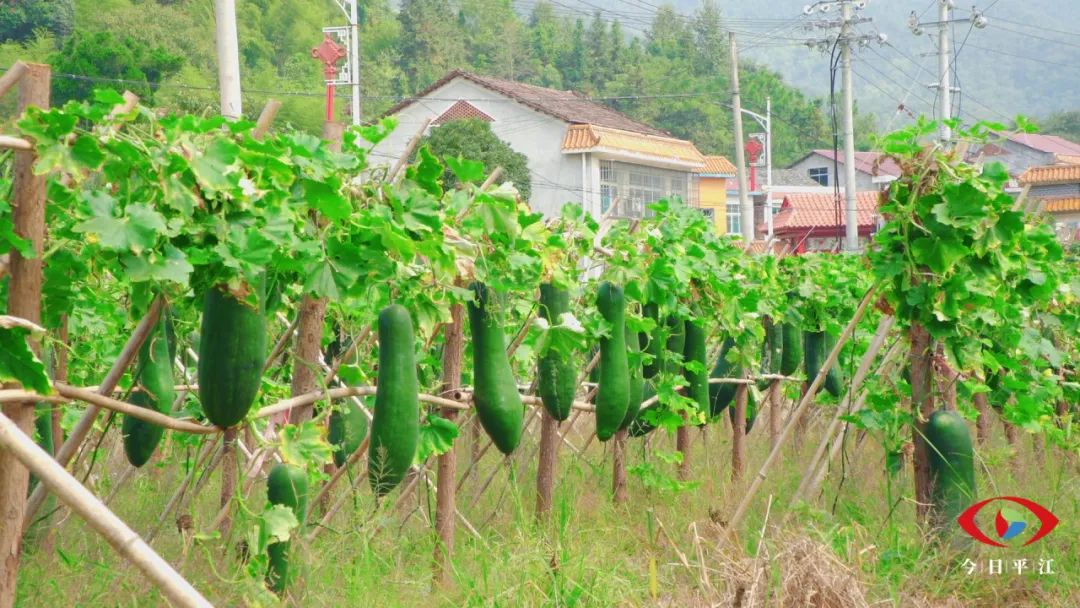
637	379
155	392
721	395
613	391
232	351
772	352
557	380
495	394
395	425
817	346
791	358
676	345
347	428
651	343
286	486
697	382
952	468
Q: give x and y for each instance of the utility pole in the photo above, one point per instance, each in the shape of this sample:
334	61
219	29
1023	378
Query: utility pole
945	64
846	39
228	55
746	206
851	232
944	61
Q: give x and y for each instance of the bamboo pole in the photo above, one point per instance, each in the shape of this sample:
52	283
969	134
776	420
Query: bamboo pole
395	171
24	301
86	423
755	485
548	461
738	434
122	538
884	326
618	468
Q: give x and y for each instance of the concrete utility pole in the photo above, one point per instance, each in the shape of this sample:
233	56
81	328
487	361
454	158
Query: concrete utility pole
846	39
944	61
851	232
746	206
354	57
228	55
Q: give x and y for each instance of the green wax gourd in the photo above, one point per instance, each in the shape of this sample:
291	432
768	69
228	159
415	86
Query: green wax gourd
637	379
495	393
613	391
287	486
557	378
154	391
232	351
395	425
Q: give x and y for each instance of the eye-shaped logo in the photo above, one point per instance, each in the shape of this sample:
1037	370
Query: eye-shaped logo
1008	523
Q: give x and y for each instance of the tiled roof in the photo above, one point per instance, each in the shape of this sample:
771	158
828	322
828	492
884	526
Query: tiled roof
1050	144
461	109
567	106
872	163
811	210
791	177
1062	205
718	165
1051	174
586	137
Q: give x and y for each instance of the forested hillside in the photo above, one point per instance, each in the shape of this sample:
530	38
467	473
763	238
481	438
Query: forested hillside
673	72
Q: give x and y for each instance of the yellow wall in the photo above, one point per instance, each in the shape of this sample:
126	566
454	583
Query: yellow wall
713	194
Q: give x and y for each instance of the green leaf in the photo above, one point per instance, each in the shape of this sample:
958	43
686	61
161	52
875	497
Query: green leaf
466	171
277	523
939	254
18	363
326	200
305	444
437	436
169	265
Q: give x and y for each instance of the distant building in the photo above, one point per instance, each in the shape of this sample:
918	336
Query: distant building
815	221
873	170
1057	188
714	182
577	150
1021	151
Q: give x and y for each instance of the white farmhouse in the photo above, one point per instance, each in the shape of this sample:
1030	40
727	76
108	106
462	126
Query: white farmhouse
578	151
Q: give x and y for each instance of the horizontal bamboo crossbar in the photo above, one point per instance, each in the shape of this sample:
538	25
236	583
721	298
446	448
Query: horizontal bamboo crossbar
15	143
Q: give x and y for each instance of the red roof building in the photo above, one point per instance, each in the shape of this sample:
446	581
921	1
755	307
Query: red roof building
808	221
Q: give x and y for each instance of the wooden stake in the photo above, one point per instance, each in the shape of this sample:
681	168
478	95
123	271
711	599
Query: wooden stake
446	487
775	398
682	446
618	468
920	362
12	76
982	424
545	468
122	538
24	300
228	477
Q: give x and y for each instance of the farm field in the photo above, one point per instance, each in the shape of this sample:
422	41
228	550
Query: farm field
272	372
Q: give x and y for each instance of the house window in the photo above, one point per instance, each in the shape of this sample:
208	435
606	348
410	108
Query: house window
608	194
820	175
734	217
636	186
708	212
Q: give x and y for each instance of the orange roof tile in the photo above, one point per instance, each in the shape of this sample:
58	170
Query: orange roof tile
461	109
1051	174
580	138
718	165
1062	205
804	211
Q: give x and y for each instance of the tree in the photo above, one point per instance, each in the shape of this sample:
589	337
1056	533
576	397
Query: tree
599	53
431	42
20	19
1063	124
574	61
100	55
472	138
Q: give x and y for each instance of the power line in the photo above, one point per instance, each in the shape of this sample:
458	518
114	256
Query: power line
1035	59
